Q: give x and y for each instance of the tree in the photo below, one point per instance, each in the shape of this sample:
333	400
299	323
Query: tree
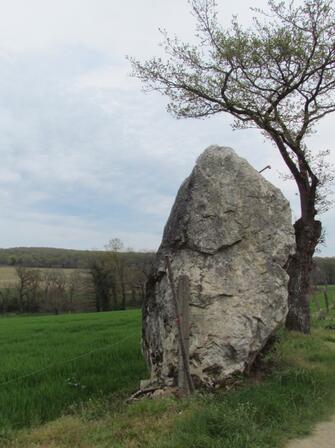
137	276
103	283
278	77
6	298
324	271
142	269
76	286
117	261
55	290
28	289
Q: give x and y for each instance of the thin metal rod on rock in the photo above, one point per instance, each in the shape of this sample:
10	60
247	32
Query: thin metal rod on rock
268	167
179	327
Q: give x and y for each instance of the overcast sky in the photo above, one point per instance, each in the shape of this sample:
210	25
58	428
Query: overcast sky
85	155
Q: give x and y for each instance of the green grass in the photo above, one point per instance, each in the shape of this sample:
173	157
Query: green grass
319	296
265	415
257	413
31	344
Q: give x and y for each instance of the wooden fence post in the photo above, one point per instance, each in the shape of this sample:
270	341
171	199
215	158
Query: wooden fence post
325	294
186	365
183	294
317	301
321	314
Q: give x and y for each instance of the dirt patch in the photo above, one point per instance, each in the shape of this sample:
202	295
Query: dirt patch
323	437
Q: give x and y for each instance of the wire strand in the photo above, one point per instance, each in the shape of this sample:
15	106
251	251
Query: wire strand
65	362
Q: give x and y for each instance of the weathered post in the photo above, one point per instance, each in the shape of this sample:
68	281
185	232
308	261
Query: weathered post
321	314
182	350
317	301
325	294
183	295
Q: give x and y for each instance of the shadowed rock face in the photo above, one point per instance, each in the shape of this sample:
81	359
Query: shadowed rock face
230	232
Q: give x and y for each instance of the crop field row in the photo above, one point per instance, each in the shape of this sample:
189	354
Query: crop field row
48	364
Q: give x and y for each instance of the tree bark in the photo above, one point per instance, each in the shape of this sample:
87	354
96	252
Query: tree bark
124	295
307	234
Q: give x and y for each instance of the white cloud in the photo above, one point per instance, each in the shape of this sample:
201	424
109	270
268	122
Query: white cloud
85	155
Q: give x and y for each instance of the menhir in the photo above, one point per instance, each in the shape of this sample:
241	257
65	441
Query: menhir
230	233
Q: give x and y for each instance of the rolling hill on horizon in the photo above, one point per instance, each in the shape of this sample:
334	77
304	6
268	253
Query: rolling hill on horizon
57	257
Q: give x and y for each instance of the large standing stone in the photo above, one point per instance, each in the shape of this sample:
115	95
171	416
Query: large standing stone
230	232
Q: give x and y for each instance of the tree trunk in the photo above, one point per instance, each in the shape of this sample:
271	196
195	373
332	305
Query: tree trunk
299	268
113	295
325	295
124	295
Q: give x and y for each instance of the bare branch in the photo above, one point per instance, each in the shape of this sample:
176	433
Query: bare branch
278	76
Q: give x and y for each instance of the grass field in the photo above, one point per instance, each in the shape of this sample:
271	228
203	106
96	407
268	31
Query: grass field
318	297
256	413
106	358
261	411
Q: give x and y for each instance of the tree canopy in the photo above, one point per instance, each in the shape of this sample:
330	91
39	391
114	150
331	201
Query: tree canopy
277	76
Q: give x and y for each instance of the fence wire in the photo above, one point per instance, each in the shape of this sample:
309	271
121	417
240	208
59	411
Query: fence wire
67	361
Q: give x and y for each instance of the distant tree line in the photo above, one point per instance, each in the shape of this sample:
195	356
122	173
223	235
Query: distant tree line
46	291
324	271
98	281
46	257
110	280
119	278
